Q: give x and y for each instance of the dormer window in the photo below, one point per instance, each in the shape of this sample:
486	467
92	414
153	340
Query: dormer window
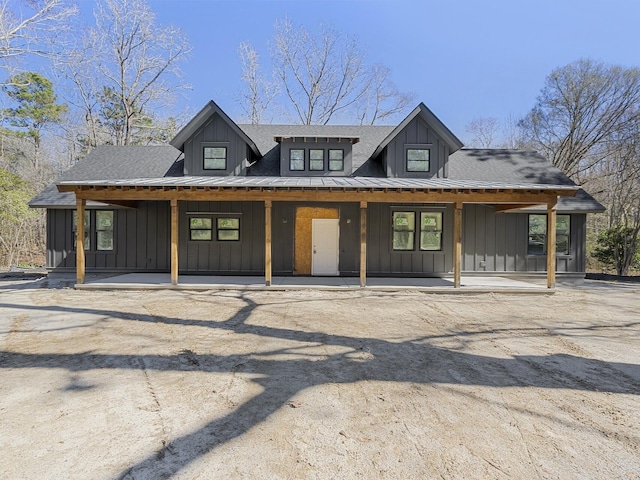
215	158
418	159
316	159
336	160
296	159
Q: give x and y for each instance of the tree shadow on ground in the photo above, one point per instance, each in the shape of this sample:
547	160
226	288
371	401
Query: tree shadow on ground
284	372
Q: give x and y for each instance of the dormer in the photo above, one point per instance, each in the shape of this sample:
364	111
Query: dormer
213	145
313	156
419	147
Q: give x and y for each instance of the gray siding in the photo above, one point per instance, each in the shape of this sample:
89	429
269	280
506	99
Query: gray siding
141	240
497	242
416	133
382	260
283	217
344	145
245	256
216	132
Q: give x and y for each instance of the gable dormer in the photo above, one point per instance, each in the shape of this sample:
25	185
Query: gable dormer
213	145
419	147
314	156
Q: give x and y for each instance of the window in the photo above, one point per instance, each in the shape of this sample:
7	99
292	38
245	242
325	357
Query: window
316	159
98	226
417	159
104	230
87	229
537	244
336	160
228	229
404	226
430	231
296	159
215	158
200	229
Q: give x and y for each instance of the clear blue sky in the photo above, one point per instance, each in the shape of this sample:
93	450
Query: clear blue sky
463	58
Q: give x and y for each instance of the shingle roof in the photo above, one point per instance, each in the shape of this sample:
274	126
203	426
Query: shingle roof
269	165
108	161
518	166
163	165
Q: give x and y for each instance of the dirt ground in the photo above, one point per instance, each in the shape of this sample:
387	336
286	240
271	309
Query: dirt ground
311	384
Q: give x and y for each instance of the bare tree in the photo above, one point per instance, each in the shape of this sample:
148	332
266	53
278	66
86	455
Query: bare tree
581	106
325	78
260	92
485	131
27	28
125	69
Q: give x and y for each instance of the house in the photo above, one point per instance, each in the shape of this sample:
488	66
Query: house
404	200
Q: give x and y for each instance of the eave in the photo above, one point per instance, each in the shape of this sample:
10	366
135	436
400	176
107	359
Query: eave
538	195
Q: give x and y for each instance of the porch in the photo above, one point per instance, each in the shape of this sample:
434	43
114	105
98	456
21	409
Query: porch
468	284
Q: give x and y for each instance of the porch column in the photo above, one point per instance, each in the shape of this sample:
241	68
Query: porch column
363	244
174	242
551	244
267	243
80	260
457	244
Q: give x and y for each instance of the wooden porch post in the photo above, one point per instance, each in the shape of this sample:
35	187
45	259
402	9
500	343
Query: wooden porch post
267	243
80	260
363	244
551	244
457	244
174	242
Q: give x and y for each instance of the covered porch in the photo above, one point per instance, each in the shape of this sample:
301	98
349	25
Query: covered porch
362	191
468	284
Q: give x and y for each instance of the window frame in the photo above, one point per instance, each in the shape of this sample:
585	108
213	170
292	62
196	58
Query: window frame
101	229
329	151
437	230
304	159
91	230
418	147
311	159
411	230
542	237
223	228
204	157
203	228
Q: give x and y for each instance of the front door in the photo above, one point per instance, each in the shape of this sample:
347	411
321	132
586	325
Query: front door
326	244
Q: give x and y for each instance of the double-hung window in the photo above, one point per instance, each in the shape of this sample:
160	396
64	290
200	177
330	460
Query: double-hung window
316	159
215	158
431	231
200	229
228	229
537	238
429	228
417	159
98	230
296	159
336	160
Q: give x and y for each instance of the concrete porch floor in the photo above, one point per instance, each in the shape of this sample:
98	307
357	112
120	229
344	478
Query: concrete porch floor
156	281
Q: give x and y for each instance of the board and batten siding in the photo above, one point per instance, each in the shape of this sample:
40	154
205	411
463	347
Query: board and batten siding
245	257
141	240
216	132
415	134
382	260
283	231
497	242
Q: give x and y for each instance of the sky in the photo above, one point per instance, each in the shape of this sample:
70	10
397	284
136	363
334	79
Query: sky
463	58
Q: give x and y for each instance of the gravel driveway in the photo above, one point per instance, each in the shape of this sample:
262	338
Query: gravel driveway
310	384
